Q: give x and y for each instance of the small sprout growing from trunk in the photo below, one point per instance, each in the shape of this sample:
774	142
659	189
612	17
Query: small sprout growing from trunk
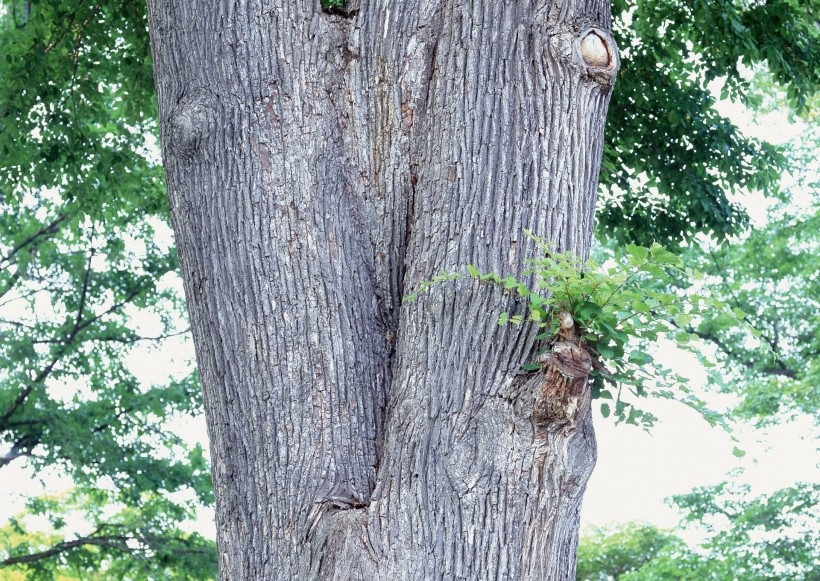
597	322
333	6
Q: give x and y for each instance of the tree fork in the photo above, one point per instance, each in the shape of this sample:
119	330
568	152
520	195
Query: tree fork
318	168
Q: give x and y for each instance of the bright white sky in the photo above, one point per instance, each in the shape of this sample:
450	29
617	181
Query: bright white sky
636	470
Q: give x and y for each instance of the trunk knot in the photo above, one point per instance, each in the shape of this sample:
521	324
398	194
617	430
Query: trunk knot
189	125
596	51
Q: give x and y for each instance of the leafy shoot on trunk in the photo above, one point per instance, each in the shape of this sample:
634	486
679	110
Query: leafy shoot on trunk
619	308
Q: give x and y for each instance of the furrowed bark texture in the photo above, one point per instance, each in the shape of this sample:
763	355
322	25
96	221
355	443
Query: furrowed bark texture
319	167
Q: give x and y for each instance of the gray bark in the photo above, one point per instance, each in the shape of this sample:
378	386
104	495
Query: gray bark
320	166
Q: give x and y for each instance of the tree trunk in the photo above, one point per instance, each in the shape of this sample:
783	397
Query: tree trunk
319	166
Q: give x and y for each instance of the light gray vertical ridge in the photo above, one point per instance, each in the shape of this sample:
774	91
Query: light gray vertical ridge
309	391
481	134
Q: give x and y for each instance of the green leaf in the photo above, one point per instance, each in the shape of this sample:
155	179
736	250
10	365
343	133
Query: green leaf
640	306
588	310
683	320
537	314
640	253
510	282
640	358
606	351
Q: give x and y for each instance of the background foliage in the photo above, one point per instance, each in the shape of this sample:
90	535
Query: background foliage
671	161
82	210
754	539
